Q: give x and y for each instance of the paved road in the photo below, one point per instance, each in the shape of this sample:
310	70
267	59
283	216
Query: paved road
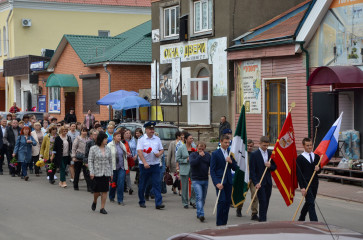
38	210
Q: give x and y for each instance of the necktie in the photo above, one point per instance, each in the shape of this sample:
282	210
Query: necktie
311	159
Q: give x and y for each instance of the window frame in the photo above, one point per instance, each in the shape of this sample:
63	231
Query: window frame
208	14
264	97
176	21
52	98
104	31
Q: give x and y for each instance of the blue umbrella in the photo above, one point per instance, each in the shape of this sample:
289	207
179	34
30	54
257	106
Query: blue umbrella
130	102
112	98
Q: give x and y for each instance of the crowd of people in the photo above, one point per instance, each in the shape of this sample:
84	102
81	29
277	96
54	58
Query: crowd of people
106	156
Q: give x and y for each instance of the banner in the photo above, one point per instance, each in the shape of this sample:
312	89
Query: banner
42	104
218	57
248	88
154	81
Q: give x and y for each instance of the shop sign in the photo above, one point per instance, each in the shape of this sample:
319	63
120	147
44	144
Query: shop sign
42	103
189	51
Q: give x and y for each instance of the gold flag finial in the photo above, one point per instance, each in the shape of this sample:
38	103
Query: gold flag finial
293	104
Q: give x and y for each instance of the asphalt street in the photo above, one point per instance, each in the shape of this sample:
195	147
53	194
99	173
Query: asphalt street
38	210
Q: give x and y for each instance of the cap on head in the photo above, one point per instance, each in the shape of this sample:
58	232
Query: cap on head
226	131
150	124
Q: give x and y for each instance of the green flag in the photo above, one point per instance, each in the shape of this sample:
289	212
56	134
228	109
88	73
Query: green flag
239	153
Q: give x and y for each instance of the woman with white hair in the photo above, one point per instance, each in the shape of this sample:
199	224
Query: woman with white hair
38	135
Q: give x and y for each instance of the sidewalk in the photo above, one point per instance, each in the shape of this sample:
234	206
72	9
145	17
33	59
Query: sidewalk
340	191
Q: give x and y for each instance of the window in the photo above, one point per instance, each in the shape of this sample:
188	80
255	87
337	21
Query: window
203	15
5	40
54	99
91	94
103	33
275	102
171	21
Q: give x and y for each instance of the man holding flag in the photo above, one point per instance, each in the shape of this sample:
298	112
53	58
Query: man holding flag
307	163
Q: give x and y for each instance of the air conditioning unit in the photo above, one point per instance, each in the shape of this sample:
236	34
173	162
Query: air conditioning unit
26	22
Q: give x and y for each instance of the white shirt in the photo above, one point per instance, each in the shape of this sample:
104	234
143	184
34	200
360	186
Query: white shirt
3	129
306	156
154	142
264	155
225	153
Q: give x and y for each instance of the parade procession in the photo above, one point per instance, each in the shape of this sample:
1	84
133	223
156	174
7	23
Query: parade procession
181	119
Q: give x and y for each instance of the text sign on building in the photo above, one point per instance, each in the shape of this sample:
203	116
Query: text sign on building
249	85
42	103
189	51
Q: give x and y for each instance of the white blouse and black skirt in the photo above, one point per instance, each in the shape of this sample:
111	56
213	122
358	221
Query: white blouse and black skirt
100	165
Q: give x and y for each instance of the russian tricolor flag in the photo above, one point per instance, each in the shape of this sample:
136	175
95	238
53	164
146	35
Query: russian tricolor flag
328	146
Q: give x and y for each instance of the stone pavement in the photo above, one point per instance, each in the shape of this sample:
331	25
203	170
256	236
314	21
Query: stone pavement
340	191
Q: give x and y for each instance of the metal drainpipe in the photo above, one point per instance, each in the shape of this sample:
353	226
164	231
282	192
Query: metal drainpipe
109	89
8	45
307	66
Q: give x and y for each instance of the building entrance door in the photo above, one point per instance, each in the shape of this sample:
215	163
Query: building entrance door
70	101
199	101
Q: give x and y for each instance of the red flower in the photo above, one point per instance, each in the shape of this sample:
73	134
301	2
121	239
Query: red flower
148	150
194	149
113	185
15	164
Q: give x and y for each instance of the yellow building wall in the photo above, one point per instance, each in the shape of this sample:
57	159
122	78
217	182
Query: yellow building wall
48	27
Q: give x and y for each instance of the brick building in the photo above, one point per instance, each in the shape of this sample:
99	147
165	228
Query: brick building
78	73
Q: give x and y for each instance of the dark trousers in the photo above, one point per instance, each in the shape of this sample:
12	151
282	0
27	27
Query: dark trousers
224	203
309	205
3	152
145	174
33	162
264	194
78	167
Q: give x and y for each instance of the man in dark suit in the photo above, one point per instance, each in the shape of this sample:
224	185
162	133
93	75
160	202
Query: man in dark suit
11	134
258	162
306	164
217	166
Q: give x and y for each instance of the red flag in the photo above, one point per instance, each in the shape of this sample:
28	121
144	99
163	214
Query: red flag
284	156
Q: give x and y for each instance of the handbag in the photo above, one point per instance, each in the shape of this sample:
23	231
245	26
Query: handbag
79	156
168	179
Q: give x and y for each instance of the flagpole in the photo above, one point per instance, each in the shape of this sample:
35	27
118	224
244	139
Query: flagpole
293	104
219	192
307	188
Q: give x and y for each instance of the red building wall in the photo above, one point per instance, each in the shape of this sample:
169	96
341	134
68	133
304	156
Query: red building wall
126	77
293	69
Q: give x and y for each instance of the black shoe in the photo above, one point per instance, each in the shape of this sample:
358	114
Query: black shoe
142	205
201	218
89	189
26	178
93	207
146	198
160	206
52	181
239	212
76	188
254	217
186	206
13	175
152	196
131	191
103	211
1	173
112	200
121	203
193	205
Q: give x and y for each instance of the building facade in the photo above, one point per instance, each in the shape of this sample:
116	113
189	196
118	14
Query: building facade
32	27
191	76
289	58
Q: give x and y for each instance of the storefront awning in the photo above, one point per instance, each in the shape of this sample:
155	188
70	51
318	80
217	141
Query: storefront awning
62	80
339	75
